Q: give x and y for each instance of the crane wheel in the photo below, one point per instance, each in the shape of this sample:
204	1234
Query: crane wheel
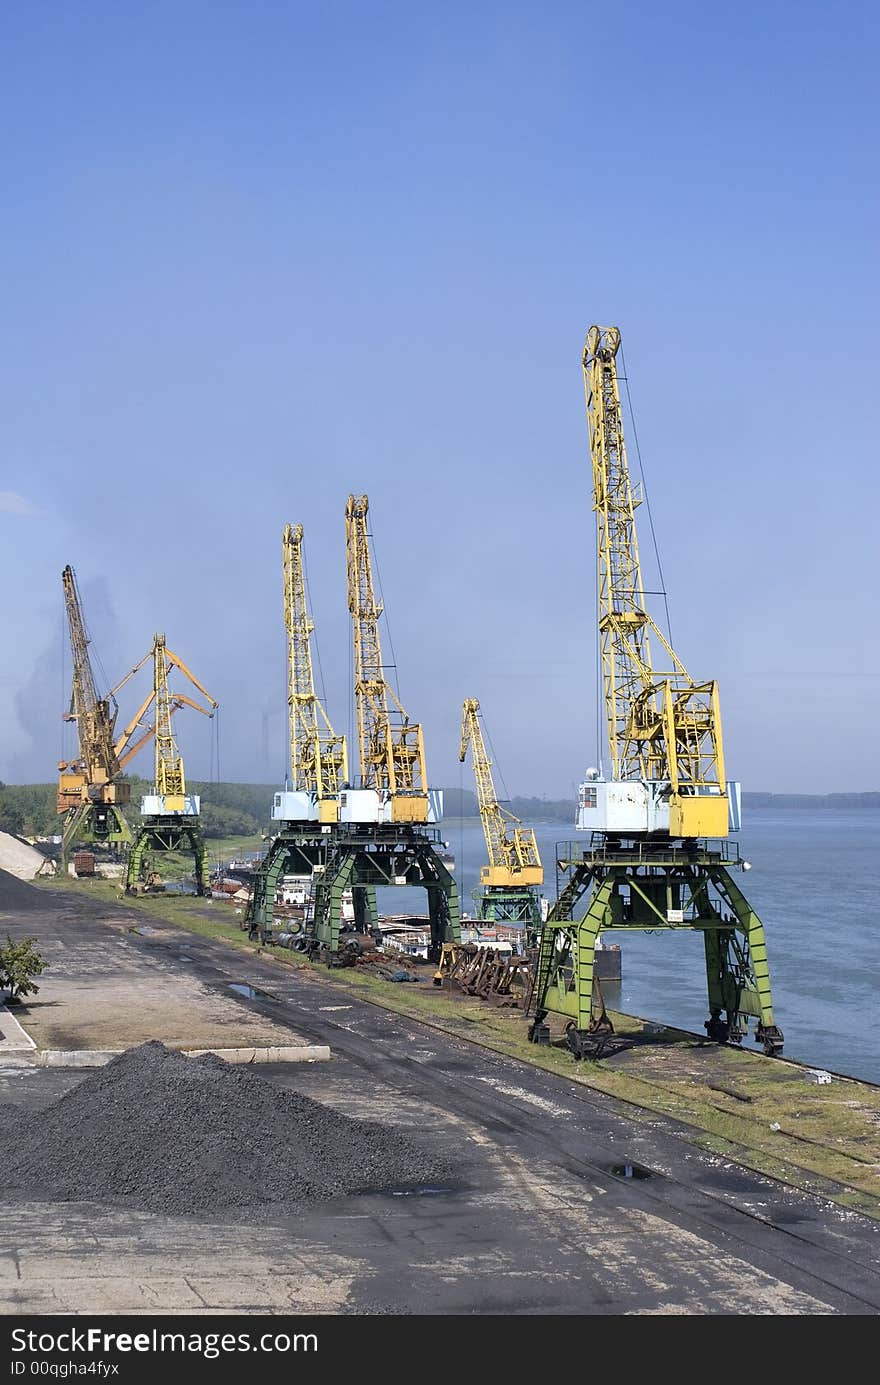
717	1029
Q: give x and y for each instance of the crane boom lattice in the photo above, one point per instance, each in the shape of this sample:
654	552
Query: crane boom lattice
663	728
392	751
170	776
512	849
318	756
95	716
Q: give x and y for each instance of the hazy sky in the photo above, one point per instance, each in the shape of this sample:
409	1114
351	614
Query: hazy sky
256	256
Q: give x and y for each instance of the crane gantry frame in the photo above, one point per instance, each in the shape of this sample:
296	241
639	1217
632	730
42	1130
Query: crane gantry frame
509	882
650	863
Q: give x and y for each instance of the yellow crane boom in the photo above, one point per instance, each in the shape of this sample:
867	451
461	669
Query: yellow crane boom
662	726
512	849
392	750
92	776
148	731
170	779
318	756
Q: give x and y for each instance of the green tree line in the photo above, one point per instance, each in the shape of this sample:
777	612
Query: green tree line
227	810
242	810
230	810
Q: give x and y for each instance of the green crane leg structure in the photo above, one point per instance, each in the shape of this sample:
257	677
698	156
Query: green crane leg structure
294	851
366	913
328	901
360	859
383	857
645	886
737	971
98	824
166	834
565	978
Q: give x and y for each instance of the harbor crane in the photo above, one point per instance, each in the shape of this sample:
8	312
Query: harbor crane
92	790
368	834
308	806
318	756
170	816
392	748
509	883
658	857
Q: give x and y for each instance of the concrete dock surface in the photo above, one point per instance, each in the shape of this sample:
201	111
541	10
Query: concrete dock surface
547	1212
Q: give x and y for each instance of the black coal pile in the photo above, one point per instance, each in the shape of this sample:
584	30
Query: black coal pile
17	896
161	1132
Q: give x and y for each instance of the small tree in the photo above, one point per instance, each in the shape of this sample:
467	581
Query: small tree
19	963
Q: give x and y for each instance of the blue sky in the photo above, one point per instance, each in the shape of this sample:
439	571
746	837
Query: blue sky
257	256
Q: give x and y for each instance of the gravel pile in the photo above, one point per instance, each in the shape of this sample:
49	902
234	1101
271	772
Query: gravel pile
165	1133
18	857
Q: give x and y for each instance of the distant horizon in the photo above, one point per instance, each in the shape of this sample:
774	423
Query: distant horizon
272	786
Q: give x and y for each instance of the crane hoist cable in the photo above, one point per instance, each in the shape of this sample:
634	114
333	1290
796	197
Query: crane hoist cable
648	509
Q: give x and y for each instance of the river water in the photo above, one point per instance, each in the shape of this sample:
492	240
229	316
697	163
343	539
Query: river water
815	882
